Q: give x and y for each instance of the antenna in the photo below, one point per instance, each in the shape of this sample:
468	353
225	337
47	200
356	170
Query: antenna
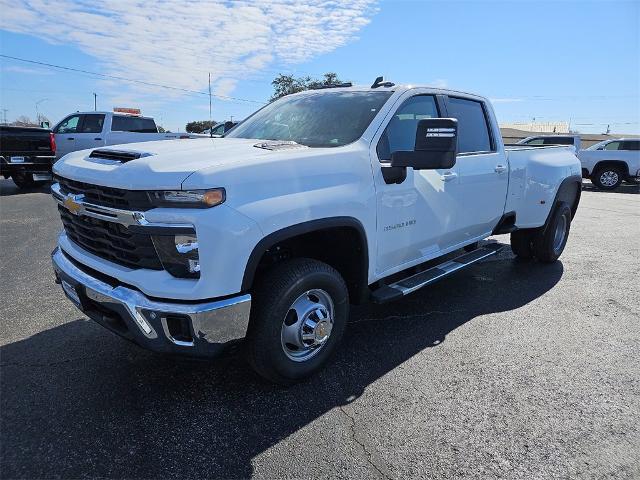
381	83
210	118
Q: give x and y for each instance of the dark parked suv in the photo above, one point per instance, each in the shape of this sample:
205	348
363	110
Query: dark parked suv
26	154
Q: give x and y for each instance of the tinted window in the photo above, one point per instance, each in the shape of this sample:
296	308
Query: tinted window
123	123
473	133
219	130
558	141
400	133
68	125
535	141
630	145
319	119
612	146
92	124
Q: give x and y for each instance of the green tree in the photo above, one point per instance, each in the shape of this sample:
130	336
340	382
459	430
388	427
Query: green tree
200	126
288	84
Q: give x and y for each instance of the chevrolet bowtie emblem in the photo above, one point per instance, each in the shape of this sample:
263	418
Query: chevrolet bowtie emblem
72	202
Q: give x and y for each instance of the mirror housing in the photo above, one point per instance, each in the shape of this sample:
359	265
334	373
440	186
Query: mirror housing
436	146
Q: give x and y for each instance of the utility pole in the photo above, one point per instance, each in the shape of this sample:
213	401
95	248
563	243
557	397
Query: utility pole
37	111
95	102
4	114
210	117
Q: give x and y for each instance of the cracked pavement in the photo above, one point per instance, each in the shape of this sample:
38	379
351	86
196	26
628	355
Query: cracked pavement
504	370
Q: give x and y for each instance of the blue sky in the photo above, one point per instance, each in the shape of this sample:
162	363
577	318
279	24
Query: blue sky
555	61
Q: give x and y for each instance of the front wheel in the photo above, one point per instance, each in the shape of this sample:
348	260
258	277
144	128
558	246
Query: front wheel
607	178
298	316
549	243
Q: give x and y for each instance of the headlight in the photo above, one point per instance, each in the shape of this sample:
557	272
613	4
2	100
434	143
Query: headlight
178	254
188	198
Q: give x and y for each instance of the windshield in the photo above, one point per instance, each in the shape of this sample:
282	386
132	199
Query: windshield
320	119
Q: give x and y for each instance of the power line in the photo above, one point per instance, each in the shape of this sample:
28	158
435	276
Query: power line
141	82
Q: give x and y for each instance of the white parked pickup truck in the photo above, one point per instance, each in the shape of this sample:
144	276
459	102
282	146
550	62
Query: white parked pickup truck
610	162
556	139
319	200
82	130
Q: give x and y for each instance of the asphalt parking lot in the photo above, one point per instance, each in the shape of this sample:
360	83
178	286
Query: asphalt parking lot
505	370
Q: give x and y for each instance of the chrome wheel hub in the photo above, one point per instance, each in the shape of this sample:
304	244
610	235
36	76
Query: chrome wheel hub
609	178
307	325
559	234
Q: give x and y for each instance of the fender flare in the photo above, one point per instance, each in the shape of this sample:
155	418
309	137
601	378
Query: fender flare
302	228
563	194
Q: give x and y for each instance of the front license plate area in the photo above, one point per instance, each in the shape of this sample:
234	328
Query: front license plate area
39	177
16	159
71	293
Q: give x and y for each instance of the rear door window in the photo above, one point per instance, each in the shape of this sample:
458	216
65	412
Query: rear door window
535	141
630	145
473	128
92	123
558	141
123	123
613	146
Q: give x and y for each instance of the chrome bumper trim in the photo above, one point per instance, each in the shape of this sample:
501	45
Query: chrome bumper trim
212	323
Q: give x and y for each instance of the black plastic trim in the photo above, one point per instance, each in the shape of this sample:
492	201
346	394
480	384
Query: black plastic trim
300	229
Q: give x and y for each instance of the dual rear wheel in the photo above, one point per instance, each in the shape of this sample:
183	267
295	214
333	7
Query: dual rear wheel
544	243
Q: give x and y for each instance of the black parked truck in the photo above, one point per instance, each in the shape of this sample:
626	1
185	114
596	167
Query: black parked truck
26	154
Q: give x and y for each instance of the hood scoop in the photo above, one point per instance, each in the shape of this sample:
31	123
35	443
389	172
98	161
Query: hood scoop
119	156
279	145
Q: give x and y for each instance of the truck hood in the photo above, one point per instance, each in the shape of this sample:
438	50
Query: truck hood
163	164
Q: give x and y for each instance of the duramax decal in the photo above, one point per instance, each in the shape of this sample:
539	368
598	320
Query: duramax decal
395	226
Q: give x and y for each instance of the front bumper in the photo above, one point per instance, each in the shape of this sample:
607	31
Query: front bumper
187	328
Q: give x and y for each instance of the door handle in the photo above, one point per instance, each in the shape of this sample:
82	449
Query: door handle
448	176
500	168
71	138
97	138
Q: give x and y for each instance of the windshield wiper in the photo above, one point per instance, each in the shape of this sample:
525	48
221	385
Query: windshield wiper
279	145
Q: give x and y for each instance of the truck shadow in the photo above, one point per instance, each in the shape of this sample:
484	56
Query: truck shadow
78	401
624	188
8	188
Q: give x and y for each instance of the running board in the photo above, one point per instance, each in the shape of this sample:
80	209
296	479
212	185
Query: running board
410	284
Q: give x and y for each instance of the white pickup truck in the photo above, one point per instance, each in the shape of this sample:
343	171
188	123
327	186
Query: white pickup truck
319	200
610	162
82	130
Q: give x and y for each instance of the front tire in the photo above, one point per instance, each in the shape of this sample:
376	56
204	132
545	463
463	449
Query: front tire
607	178
298	316
549	243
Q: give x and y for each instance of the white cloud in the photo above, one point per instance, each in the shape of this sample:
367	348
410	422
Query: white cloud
178	42
26	70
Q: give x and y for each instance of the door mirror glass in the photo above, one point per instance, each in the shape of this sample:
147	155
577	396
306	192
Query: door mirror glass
436	146
44	125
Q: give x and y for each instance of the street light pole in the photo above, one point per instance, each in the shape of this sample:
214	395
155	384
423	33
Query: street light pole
37	111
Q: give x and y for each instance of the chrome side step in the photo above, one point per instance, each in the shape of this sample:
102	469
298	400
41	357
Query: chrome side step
412	283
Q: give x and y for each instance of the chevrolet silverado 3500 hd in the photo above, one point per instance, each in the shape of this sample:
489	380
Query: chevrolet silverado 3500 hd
319	200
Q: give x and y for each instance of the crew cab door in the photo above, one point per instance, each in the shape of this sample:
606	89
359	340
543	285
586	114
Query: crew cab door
482	167
416	217
90	131
65	133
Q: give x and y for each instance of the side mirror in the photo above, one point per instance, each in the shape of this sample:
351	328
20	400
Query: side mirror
44	125
435	148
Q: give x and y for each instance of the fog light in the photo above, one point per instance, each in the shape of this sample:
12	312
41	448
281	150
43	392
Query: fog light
178	254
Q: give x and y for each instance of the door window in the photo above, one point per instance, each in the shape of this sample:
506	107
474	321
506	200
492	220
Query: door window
400	133
613	146
535	141
68	125
473	129
92	123
630	145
